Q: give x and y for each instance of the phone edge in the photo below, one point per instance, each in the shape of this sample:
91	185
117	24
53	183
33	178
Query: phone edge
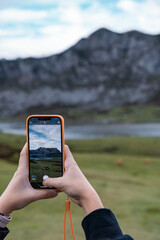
63	141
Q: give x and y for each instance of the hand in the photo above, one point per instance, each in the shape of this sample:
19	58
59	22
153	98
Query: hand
75	184
19	192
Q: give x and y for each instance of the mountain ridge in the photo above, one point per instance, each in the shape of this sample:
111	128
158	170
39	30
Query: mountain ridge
103	71
44	152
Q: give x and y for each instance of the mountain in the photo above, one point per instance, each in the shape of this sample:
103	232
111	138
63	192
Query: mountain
100	72
44	152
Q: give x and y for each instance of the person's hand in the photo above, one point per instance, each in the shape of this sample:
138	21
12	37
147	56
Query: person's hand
75	184
19	192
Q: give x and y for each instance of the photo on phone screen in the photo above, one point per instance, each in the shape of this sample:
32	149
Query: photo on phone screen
45	149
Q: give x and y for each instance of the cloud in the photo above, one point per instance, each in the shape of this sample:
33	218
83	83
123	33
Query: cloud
63	23
127	5
141	15
47	44
48	136
20	15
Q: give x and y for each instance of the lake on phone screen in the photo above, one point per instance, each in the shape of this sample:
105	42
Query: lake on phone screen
86	131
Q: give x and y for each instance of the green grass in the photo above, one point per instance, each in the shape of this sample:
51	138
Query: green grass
118	145
129	114
124	114
10	146
39	168
130	190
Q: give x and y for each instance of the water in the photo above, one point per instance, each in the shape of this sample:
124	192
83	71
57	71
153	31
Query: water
87	131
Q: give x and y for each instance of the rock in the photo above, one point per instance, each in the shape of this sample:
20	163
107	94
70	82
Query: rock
44	152
100	72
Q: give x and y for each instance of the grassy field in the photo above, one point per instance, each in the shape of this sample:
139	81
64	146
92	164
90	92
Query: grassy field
39	168
131	188
132	114
124	114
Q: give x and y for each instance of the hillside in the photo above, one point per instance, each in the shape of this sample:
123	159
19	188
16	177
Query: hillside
126	179
44	152
101	72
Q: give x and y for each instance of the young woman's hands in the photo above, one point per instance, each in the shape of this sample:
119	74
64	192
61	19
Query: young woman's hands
75	184
19	192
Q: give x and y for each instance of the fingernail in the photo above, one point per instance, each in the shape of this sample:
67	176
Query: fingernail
45	177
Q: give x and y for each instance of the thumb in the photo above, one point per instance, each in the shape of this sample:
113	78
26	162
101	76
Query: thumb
53	182
44	194
23	158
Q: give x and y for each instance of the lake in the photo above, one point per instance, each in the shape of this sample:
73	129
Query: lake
85	131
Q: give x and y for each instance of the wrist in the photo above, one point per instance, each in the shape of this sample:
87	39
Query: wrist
91	202
4	208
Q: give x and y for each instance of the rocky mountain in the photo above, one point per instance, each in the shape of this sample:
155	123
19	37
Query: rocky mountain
100	72
44	152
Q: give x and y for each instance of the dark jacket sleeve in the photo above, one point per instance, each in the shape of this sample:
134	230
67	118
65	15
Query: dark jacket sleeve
3	232
101	224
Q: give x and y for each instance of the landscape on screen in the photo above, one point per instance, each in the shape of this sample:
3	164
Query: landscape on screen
45	151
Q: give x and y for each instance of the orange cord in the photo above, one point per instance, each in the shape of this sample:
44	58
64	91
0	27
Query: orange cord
67	208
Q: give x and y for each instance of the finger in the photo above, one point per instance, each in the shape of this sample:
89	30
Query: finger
68	157
53	182
44	194
68	153
23	157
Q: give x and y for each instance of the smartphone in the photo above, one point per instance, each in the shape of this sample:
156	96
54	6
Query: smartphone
45	140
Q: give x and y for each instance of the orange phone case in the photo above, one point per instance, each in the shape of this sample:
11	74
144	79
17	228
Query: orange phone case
63	155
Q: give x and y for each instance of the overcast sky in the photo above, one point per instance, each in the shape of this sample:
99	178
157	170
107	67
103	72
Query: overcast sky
44	27
48	136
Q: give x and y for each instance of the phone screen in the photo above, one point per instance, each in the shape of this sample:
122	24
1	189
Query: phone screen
45	149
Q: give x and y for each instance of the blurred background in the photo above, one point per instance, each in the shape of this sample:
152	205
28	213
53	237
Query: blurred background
97	63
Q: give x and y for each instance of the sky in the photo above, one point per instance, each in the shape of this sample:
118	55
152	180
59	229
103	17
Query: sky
48	136
44	27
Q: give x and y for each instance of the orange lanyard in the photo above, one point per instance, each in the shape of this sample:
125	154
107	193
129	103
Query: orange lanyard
67	208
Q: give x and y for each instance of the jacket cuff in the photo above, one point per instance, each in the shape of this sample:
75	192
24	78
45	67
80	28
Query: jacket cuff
3	233
101	223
